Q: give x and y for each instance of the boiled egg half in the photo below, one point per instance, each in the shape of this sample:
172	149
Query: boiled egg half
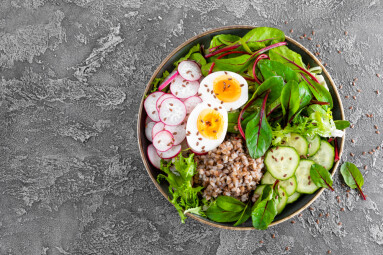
206	127
224	88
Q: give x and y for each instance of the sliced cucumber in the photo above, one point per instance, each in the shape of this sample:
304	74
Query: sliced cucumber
290	185
282	162
267	178
325	155
293	197
283	199
314	144
305	185
259	189
299	143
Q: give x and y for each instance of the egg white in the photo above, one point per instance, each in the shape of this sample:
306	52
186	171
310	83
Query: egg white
193	135
206	90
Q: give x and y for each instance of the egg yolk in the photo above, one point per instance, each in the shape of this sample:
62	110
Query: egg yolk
210	124
226	88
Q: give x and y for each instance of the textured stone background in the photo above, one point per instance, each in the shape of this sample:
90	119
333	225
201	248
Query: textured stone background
72	75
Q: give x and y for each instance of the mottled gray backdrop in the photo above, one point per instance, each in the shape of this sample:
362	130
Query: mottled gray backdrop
72	75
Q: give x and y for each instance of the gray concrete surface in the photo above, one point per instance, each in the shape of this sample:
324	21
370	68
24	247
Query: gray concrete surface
72	74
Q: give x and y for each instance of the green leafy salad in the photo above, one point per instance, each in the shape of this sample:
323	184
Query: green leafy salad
254	86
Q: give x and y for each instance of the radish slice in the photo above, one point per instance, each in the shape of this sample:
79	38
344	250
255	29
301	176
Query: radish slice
172	112
178	132
168	79
189	70
150	105
153	156
191	103
171	153
161	99
159	126
182	88
148	130
163	141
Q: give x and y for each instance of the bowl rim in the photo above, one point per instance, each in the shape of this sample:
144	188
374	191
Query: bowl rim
191	40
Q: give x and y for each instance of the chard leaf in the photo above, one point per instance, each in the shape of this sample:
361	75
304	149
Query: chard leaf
245	214
261	37
321	177
198	58
217	214
230	204
264	213
305	95
341	124
194	49
258	133
290	99
319	92
271	68
352	177
279	53
223	39
235	64
274	84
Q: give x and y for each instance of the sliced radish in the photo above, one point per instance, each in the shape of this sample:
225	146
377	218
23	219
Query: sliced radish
162	98
159	126
191	103
172	111
182	88
171	153
163	141
168	79
189	70
178	132
148	130
150	105
153	156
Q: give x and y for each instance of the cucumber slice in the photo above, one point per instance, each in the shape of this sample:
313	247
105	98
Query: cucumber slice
259	189
314	144
305	185
299	143
290	185
283	202
293	197
282	162
267	178
325	155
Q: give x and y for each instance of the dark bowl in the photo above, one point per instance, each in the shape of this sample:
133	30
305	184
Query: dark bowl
291	209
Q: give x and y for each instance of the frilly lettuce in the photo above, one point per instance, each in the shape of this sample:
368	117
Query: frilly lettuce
183	195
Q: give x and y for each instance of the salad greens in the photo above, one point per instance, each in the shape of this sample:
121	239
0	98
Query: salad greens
352	177
182	194
285	97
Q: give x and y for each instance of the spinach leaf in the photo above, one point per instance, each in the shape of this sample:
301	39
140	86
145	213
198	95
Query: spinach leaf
194	49
182	194
230	204
319	92
271	68
341	124
217	214
197	57
274	84
245	214
321	177
290	99
258	133
352	177
264	210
